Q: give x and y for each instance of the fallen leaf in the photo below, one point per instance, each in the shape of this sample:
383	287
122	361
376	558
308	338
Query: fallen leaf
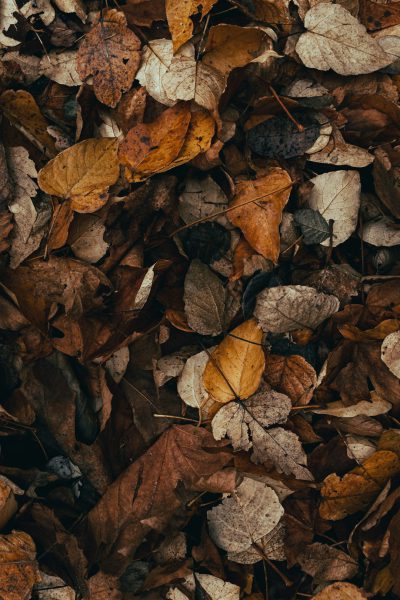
336	40
390	352
8	504
201	198
337	152
86	238
82	174
22	111
147	491
204	299
381	232
110	53
150	148
218	589
7	18
378	406
190	382
72	6
289	307
382	330
272	545
336	195
245	516
237	364
198	138
314	228
292	375
341	591
325	563
61	67
179	13
260	220
386	178
19	571
358	489
104	587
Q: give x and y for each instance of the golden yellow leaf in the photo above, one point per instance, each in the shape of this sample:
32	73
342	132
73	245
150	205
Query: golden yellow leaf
82	173
151	147
18	568
21	110
198	138
179	13
353	333
358	489
260	220
237	364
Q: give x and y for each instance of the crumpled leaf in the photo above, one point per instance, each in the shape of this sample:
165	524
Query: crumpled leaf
218	589
390	352
289	307
110	53
260	220
336	195
314	228
18	567
82	173
292	375
204	299
325	563
144	496
179	13
341	591
150	148
237	364
358	489
245	516
336	40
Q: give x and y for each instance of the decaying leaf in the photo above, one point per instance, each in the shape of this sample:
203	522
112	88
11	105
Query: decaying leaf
235	367
218	589
314	228
341	591
336	40
245	516
204	300
290	307
336	195
381	232
19	571
390	352
325	563
179	13
259	210
202	198
291	375
82	174
378	406
357	489
110	53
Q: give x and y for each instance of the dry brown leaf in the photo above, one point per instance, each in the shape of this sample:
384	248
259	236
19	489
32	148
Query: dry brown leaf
110	53
144	496
21	110
237	364
341	591
357	490
150	148
260	220
383	329
378	406
245	516
289	307
291	375
104	587
204	299
325	563
82	173
18	567
8	505
179	13
202	198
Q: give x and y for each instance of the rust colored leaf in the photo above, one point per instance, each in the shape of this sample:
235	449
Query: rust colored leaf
291	375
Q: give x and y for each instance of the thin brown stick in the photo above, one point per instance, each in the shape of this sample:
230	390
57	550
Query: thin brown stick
299	126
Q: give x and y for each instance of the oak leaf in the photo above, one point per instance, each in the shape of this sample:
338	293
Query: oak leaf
336	40
150	148
260	220
289	307
82	173
358	489
145	497
18	567
291	375
236	365
245	516
110	53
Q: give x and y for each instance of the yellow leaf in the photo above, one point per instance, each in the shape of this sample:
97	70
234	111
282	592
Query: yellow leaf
260	220
358	489
198	138
151	147
237	364
82	173
179	13
21	110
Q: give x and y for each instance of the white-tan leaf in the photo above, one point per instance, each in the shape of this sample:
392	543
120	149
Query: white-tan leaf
382	232
202	198
218	589
289	307
61	67
378	406
390	352
272	546
190	383
8	8
336	40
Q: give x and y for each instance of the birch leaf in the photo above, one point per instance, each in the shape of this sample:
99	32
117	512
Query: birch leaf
245	516
237	364
336	40
289	307
336	195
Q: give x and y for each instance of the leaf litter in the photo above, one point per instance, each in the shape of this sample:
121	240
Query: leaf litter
200	295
